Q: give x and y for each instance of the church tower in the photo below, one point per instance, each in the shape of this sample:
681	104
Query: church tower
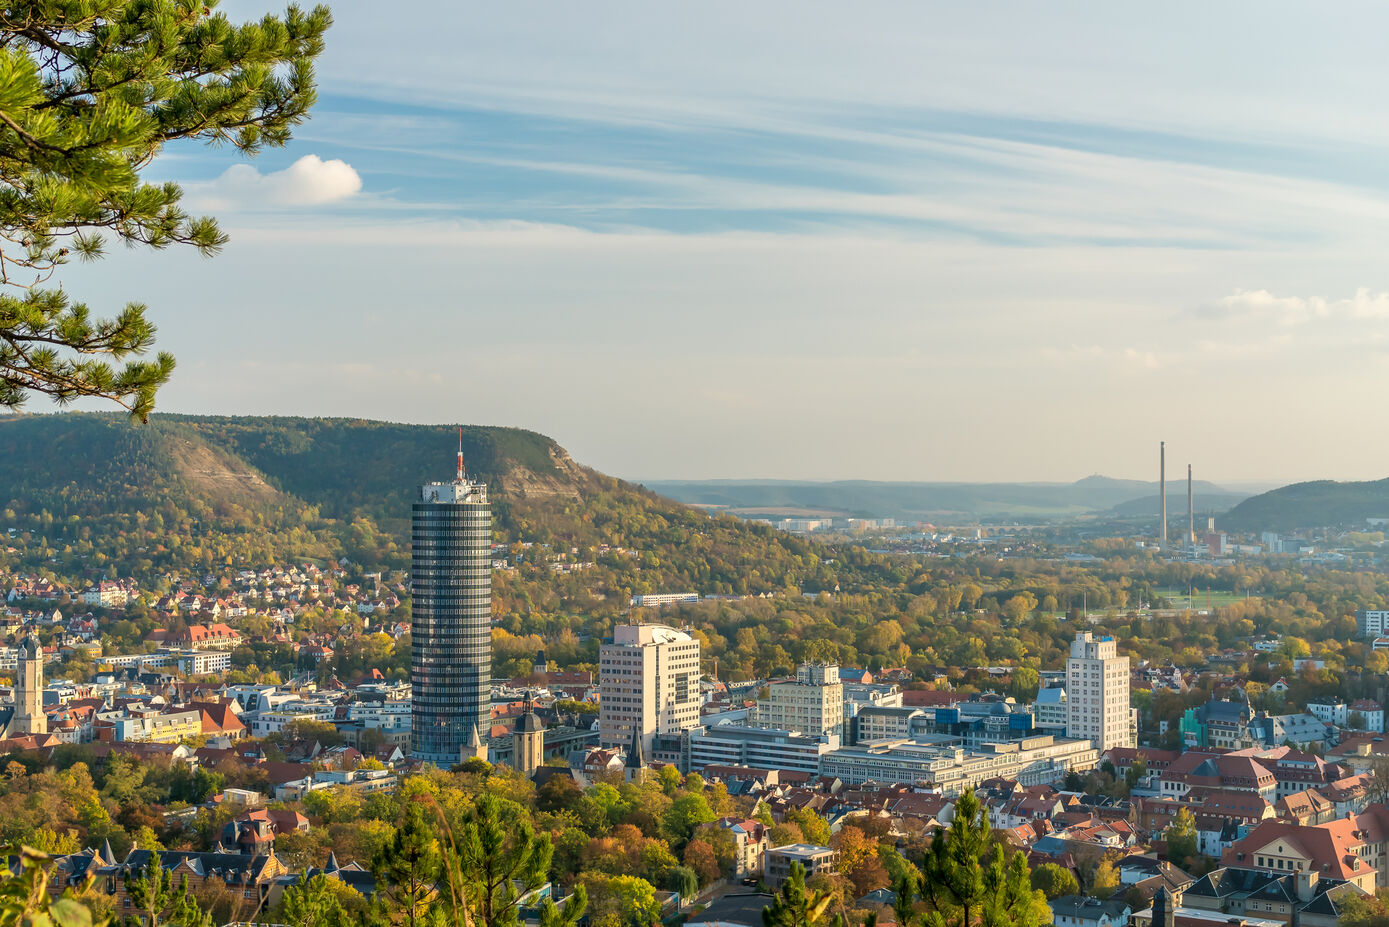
528	743
28	691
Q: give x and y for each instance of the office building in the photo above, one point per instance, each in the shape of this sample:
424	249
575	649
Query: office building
944	763
1373	621
1097	693
451	620
648	682
812	703
733	745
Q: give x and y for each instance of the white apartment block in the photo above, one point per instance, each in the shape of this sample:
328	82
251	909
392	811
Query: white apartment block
648	682
1373	621
272	722
1050	711
390	715
1097	693
812	704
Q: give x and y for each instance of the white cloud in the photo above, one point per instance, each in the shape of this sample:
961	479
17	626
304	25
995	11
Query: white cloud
1297	310
310	181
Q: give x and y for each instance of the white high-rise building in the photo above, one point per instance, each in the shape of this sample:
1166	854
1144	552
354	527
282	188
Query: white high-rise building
1097	693
811	704
648	681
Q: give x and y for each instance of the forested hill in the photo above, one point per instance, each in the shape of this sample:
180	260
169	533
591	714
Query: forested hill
93	493
1323	503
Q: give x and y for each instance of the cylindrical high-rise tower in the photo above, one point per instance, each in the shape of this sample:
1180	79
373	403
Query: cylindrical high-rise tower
451	621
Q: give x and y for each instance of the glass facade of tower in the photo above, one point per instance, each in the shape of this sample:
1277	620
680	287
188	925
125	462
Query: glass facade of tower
451	619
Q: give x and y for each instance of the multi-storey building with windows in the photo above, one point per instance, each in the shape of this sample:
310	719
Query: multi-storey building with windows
812	703
648	682
1097	693
451	620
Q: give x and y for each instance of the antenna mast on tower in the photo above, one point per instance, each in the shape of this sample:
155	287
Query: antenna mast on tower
460	454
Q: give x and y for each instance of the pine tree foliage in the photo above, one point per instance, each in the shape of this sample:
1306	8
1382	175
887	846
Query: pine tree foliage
796	905
968	879
500	860
159	901
90	92
407	870
312	903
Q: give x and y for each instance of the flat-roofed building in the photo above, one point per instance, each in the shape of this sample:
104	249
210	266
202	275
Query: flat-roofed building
648	683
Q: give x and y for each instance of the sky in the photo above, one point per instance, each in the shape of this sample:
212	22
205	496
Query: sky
900	241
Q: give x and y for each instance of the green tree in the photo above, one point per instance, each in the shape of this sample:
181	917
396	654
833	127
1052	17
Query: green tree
499	859
158	901
1137	770
90	92
1182	838
967	878
312	903
620	900
567	914
1054	881
683	881
1105	881
408	868
24	898
815	829
685	814
796	905
1363	911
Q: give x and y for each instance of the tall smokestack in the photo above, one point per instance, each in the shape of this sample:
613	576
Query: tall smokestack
1190	509
1162	487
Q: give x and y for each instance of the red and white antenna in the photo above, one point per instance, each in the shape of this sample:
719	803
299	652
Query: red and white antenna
460	455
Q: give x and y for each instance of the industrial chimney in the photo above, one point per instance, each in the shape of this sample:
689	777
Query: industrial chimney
1190	509
1162	487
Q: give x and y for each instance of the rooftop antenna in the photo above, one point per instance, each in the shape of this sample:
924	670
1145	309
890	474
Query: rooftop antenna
460	454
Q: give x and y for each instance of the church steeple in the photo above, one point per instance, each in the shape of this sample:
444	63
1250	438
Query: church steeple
634	770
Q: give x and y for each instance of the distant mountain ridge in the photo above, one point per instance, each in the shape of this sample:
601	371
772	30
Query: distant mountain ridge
1316	504
925	501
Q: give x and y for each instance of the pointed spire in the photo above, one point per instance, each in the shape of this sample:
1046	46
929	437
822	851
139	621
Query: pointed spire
332	862
635	756
107	856
475	741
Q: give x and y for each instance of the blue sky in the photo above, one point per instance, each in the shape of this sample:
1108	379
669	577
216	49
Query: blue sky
804	240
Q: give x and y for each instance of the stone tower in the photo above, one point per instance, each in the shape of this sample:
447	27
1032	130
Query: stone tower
28	691
1164	909
528	743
